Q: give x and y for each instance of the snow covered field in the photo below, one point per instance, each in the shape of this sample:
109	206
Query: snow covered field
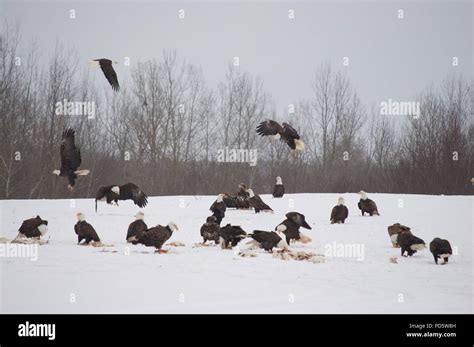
68	278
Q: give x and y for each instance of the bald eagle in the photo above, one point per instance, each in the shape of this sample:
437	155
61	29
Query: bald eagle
257	203
279	189
441	249
240	200
231	235
285	133
137	227
156	236
268	240
394	230
33	228
290	227
108	70
409	243
114	193
218	208
84	230
210	230
339	212
70	159
366	205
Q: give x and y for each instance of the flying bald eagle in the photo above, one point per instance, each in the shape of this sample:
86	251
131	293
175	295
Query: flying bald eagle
257	203
268	240
137	227
279	189
366	205
441	249
156	236
339	212
108	70
285	133
409	243
84	230
33	228
114	193
290	227
210	230
70	159
231	235
218	208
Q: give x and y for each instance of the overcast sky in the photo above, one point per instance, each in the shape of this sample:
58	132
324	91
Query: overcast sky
388	57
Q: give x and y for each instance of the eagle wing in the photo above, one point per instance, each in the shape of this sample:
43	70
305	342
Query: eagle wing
70	154
269	127
290	132
110	74
345	212
155	237
333	213
257	203
131	191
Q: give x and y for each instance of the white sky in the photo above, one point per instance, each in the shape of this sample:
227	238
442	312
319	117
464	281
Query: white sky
389	57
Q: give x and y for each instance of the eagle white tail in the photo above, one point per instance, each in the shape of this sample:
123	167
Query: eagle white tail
93	63
299	145
82	172
304	238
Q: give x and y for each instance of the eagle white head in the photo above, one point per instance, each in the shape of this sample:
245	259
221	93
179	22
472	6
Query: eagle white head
43	229
341	201
279	181
57	172
140	215
80	216
220	197
363	195
251	193
116	190
173	226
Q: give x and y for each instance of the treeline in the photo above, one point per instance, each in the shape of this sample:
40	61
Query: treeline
164	129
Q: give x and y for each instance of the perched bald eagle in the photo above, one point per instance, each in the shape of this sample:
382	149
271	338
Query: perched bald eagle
285	133
137	227
218	208
268	240
366	205
108	70
394	230
441	249
210	230
279	189
84	230
70	159
257	203
231	235
33	228
290	227
409	243
156	236
339	212
114	193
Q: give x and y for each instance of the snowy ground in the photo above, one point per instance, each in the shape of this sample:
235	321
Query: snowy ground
68	278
